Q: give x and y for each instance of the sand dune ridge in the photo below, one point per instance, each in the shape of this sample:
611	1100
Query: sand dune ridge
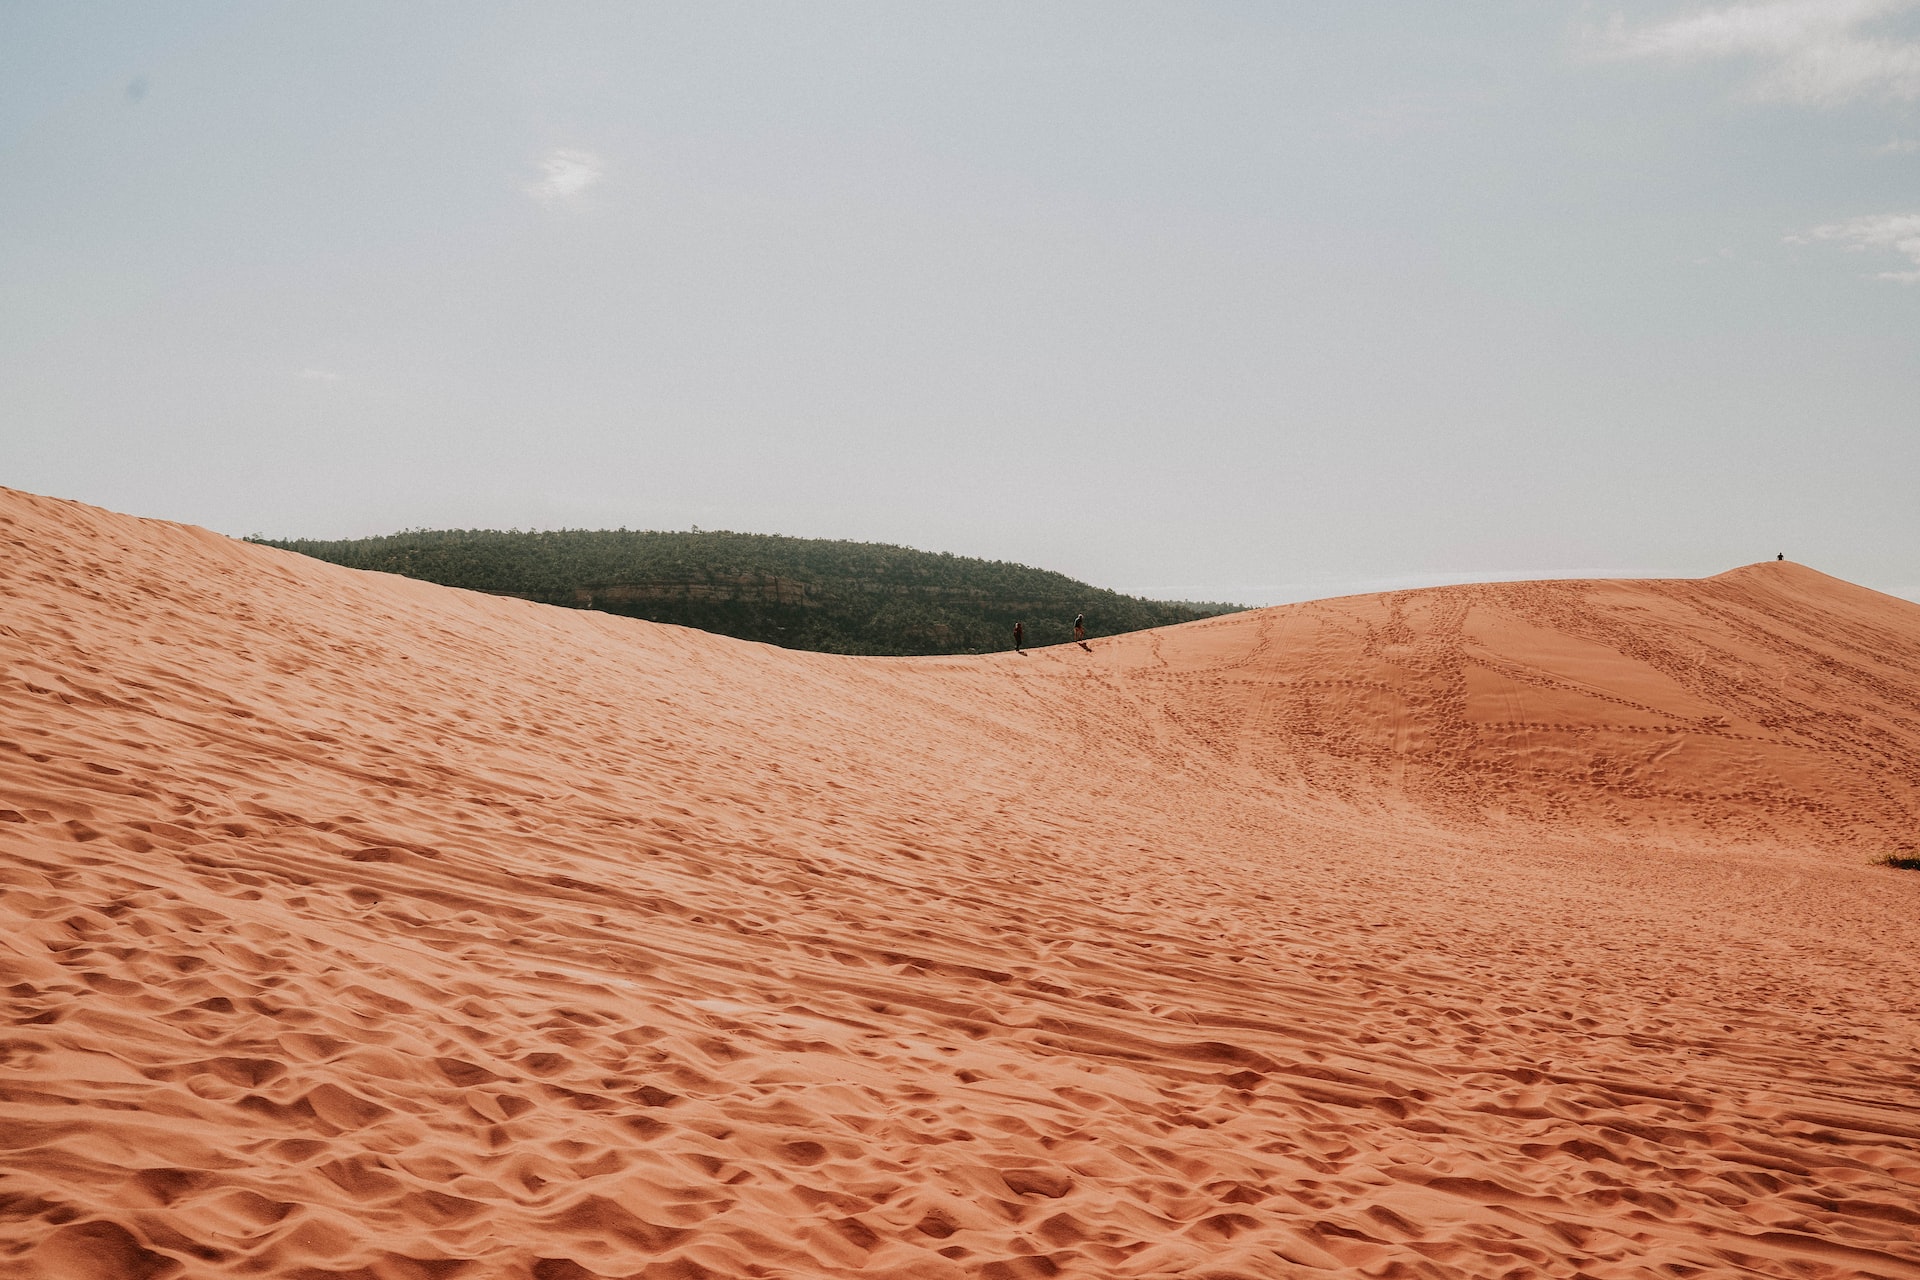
359	927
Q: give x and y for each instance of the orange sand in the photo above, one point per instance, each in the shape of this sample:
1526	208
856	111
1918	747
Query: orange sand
352	926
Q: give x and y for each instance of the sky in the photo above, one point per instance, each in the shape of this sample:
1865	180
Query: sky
1221	301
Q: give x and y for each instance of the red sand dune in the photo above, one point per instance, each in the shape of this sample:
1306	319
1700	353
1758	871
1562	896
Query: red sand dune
352	926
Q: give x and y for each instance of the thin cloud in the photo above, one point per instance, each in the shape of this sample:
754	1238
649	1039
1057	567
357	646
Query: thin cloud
1884	232
1811	52
567	175
319	375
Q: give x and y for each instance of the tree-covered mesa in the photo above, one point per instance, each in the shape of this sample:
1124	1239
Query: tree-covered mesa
802	593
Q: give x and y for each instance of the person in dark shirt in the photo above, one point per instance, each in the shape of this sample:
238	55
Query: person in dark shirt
1080	630
1019	637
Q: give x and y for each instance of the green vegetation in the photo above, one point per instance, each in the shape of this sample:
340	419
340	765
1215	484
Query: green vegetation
803	593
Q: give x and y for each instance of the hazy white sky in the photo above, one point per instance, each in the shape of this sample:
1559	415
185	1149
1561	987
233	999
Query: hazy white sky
1249	301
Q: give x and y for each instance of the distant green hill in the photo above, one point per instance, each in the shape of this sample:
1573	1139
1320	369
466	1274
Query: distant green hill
803	593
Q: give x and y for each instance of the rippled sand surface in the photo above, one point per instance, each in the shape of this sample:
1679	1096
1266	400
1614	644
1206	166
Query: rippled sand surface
352	926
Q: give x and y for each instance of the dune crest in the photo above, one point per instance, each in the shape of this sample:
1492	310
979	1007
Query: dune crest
356	927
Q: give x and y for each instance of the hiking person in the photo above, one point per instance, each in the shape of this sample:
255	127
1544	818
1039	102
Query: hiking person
1080	630
1019	637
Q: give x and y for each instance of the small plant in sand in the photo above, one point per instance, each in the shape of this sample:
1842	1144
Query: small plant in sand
1901	861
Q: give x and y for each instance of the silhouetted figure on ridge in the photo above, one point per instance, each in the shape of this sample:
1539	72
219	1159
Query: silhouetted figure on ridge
1080	630
1781	556
1019	637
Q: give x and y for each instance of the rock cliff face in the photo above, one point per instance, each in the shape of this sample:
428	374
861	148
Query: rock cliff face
356	927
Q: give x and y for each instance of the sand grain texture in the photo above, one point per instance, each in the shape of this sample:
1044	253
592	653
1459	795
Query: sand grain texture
353	926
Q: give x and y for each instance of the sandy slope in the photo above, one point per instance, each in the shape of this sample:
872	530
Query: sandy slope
355	926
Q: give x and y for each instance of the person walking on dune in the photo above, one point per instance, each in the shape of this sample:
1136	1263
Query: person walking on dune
1019	637
1080	631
